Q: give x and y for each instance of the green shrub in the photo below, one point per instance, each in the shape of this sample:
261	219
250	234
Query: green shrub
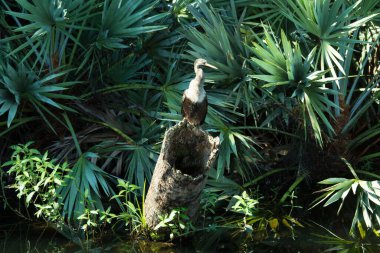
36	180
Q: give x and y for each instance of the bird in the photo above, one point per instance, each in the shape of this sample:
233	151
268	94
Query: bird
194	99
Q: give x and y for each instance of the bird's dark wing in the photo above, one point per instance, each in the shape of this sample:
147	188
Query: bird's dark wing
203	110
194	113
187	108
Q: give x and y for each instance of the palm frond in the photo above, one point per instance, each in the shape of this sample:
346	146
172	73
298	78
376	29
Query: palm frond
285	70
83	188
23	85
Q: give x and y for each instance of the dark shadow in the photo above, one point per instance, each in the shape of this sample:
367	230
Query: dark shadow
188	150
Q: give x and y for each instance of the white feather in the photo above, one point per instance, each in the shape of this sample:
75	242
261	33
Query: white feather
196	93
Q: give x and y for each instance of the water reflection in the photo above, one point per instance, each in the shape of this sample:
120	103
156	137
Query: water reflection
32	237
21	236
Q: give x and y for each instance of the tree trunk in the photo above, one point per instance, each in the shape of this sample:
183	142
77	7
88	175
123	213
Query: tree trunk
181	172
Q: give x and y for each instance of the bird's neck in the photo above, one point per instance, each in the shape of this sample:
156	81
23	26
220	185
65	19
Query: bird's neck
196	93
196	85
199	75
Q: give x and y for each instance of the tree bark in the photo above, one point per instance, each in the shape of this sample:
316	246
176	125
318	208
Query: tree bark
181	172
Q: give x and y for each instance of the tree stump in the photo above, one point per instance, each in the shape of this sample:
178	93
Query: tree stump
181	172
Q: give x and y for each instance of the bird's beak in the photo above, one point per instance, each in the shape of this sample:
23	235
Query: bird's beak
210	66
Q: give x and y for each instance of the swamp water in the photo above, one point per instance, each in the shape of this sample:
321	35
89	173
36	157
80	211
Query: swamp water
21	236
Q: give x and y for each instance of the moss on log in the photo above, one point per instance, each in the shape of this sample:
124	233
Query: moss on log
181	172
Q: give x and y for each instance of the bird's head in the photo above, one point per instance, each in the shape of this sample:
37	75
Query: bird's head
199	63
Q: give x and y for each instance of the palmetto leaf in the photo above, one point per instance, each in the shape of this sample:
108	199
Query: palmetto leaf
117	27
9	104
363	142
367	195
123	19
220	44
368	199
50	27
22	85
127	69
220	40
128	150
236	152
285	68
331	22
85	177
221	183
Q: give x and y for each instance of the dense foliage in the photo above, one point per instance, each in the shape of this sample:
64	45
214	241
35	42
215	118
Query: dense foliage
95	83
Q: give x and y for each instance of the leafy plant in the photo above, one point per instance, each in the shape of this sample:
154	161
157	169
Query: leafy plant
248	207
244	204
258	220
50	27
119	21
84	184
36	180
296	88
367	194
23	85
93	222
331	22
176	222
285	72
132	214
220	43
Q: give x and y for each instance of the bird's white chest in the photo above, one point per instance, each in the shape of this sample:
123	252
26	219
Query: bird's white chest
195	93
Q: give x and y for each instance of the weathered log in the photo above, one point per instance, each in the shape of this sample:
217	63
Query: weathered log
181	172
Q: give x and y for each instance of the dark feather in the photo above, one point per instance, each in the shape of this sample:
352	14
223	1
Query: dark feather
194	113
